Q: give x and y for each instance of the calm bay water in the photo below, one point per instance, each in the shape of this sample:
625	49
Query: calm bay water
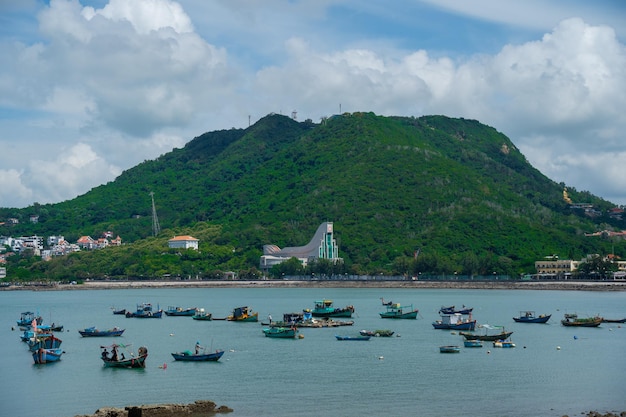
318	375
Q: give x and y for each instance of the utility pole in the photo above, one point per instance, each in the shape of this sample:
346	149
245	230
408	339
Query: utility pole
156	228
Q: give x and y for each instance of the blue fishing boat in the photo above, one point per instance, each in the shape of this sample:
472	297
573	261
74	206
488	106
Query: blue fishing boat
41	356
188	356
455	322
27	317
397	311
473	343
44	342
449	349
145	311
325	308
281	332
503	344
94	332
202	315
530	317
179	311
358	338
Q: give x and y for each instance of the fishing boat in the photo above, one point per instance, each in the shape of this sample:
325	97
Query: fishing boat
362	338
385	303
27	317
281	332
202	315
179	311
486	337
94	332
41	355
188	356
473	343
449	349
455	322
454	310
243	314
145	311
325	308
121	311
49	341
119	360
613	320
397	311
377	333
572	320
503	344
530	317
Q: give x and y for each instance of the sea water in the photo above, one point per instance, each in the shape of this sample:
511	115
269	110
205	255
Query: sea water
553	371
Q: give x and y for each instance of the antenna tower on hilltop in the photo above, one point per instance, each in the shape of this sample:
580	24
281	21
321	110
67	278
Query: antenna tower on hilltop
156	229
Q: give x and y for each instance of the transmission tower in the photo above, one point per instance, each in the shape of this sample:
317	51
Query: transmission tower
156	229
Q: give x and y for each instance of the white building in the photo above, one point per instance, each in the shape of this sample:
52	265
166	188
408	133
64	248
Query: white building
183	242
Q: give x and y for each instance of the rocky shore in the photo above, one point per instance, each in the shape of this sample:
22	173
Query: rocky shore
572	285
196	409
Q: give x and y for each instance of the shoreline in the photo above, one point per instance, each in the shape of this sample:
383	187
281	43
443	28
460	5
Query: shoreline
482	285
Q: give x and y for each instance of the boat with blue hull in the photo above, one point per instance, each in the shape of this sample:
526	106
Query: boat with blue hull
42	356
357	338
27	317
325	309
180	311
449	349
281	332
188	356
44	342
397	311
455	322
531	317
94	332
145	311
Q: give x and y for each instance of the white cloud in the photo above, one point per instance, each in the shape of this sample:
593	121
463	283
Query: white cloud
110	87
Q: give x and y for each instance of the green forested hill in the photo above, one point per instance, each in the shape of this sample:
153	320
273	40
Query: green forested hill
456	190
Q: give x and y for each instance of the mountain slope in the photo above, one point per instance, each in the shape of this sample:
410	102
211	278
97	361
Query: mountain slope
456	190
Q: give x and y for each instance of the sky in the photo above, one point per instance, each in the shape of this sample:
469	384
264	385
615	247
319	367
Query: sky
90	88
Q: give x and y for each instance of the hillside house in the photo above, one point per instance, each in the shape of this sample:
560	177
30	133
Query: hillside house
183	242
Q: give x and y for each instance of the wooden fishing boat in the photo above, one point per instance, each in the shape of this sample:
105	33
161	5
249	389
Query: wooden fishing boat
449	349
179	311
325	308
473	343
486	337
503	344
572	320
530	317
119	360
281	332
145	311
453	310
243	314
358	338
397	311
41	355
120	311
202	315
377	333
188	356
94	332
455	322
